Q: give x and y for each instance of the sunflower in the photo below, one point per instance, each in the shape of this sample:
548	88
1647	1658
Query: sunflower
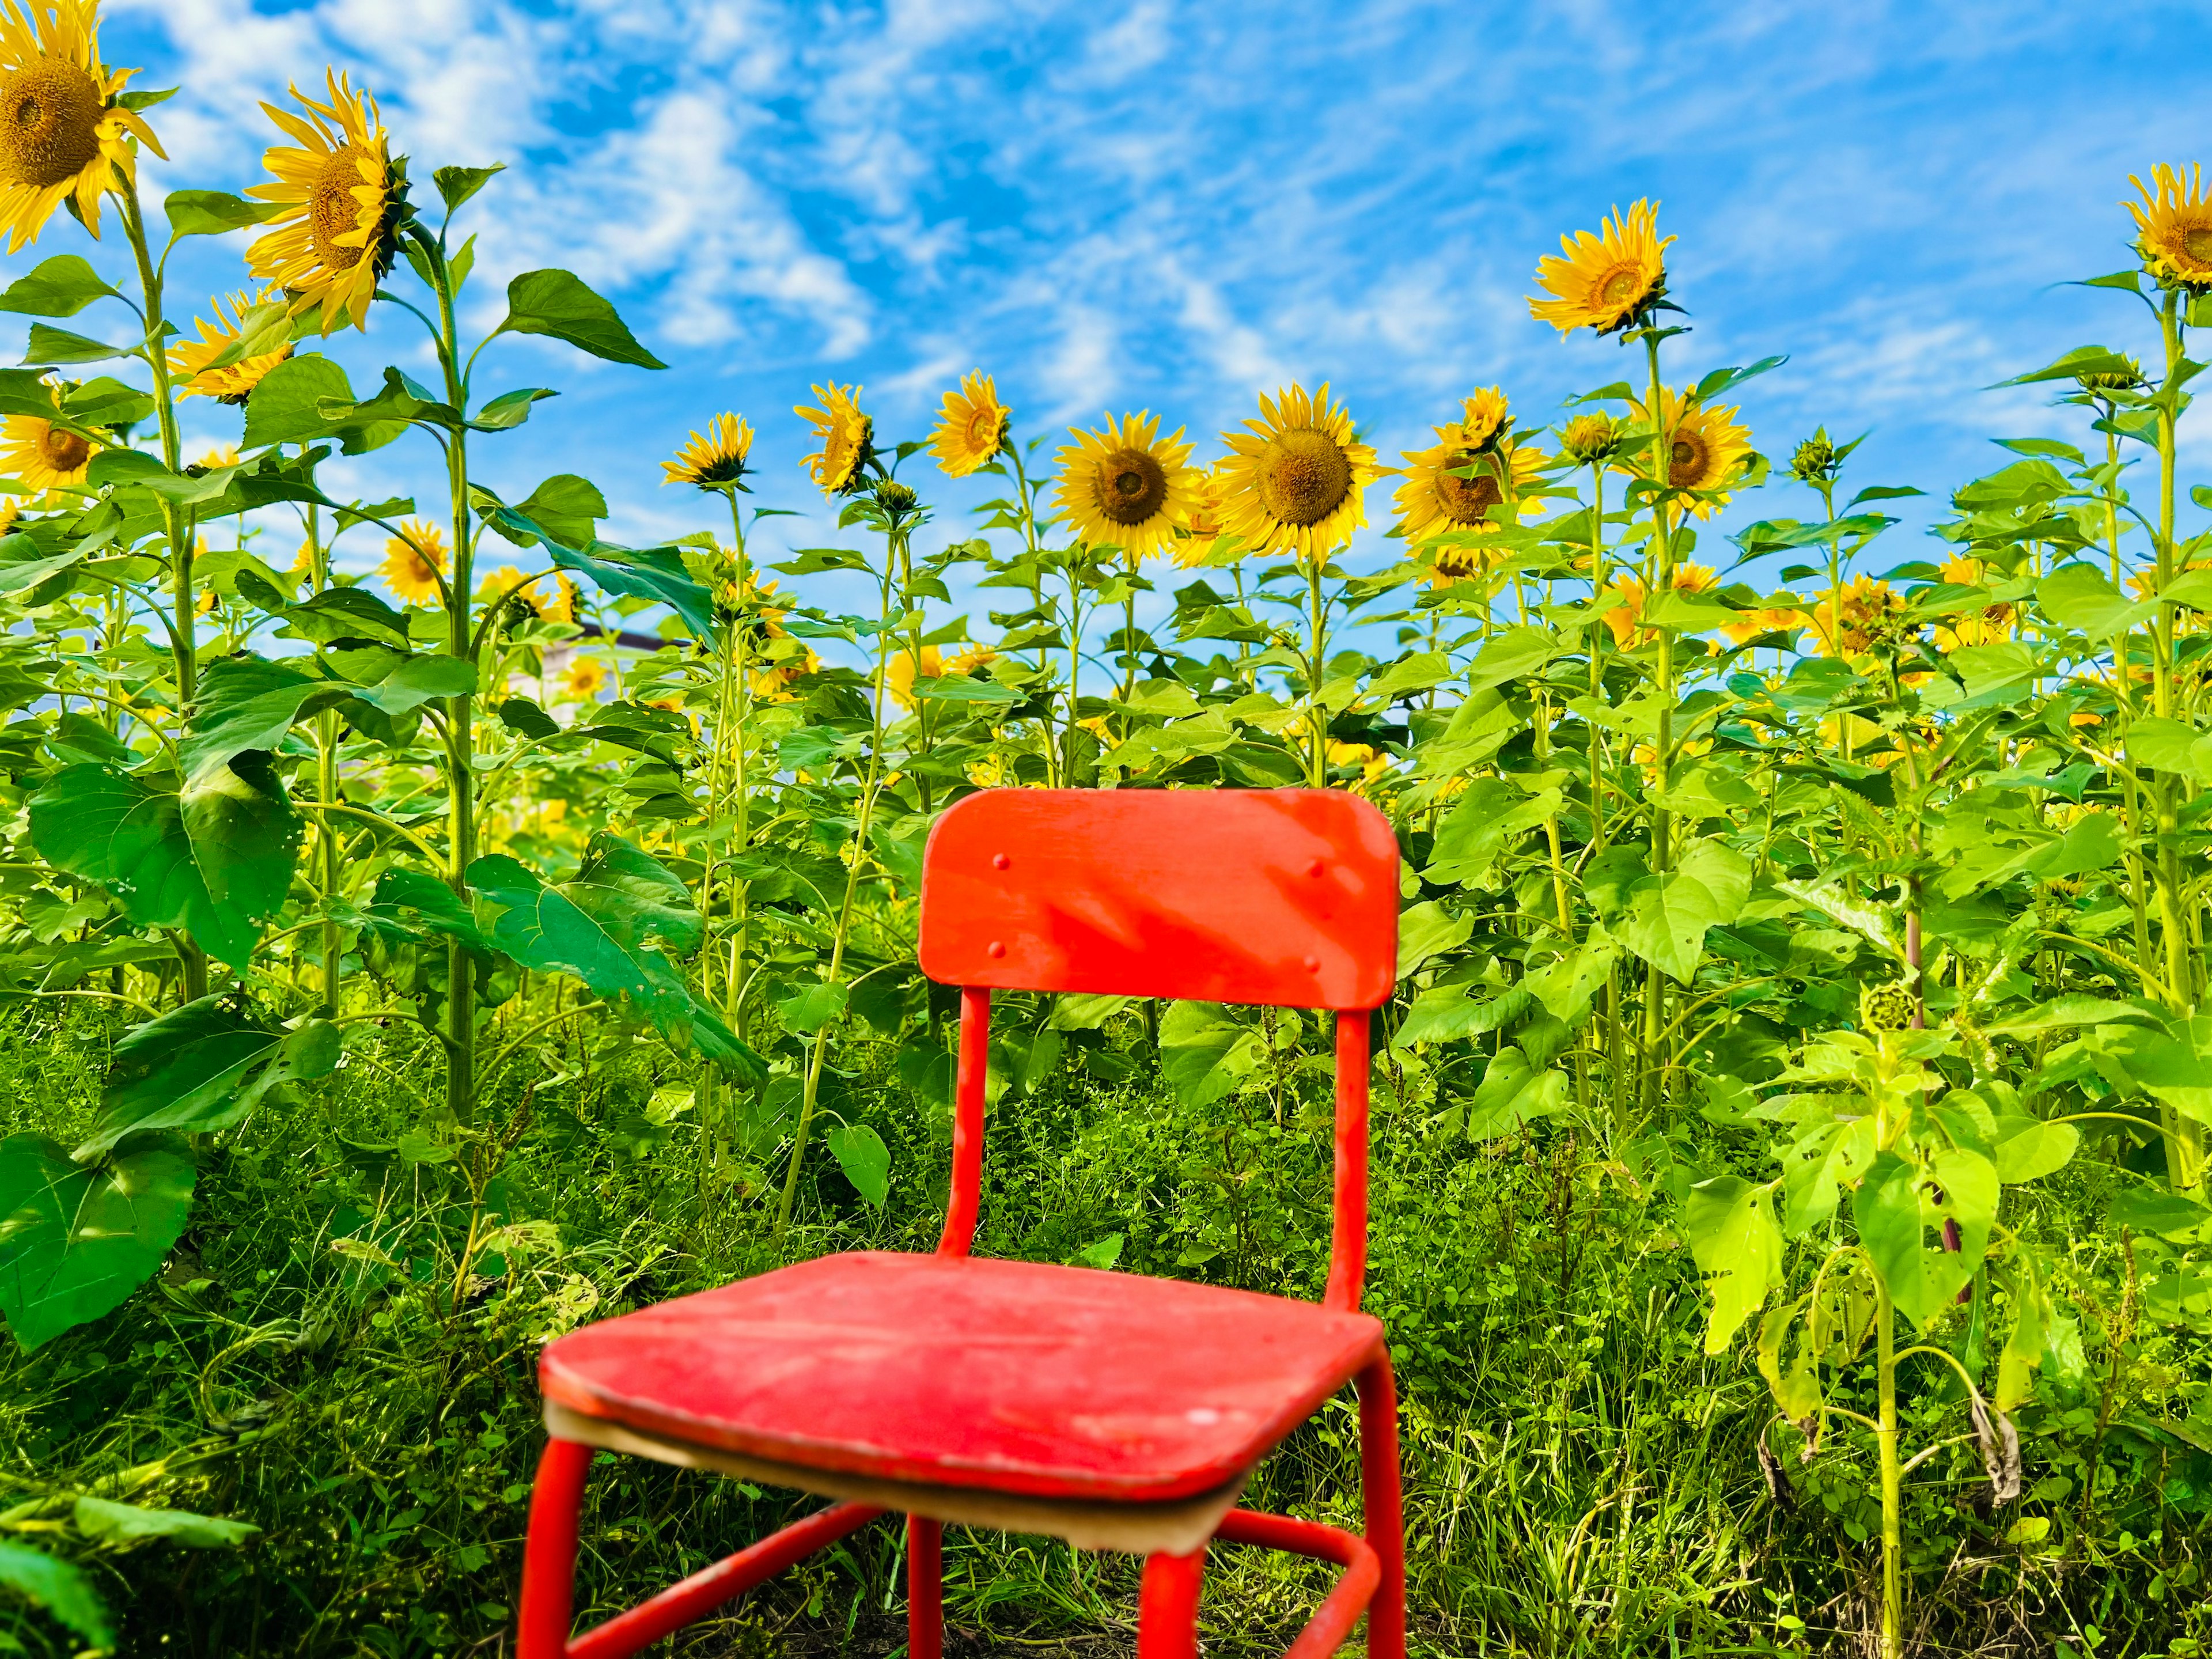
188	363
583	678
343	205
413	562
972	429
10	510
42	456
1293	479
1485	417
221	456
1750	624
846	435
2173	226
1608	281
1987	626
1202	523
1869	610
62	133
1626	618
1126	485
1706	448
1591	439
1452	485
714	460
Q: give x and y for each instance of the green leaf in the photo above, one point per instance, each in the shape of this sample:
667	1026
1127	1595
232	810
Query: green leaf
1667	916
2092	842
2168	745
814	1007
2029	1149
62	1589
245	703
1425	930
348	613
420	679
1204	1052
509	410
1514	654
132	838
1512	1093
525	719
959	688
2084	360
1728	1222
99	1517
655	574
456	185
559	304
866	1162
212	212
59	345
74	1241
202	1067
2176	1067
1814	1169
2079	596
285	406
59	287
2153	1210
1897	1205
1101	1256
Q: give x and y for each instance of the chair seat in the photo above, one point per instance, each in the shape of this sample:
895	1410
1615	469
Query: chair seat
1007	1376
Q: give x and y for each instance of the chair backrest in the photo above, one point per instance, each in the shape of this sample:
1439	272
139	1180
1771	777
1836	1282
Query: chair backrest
1287	896
1250	896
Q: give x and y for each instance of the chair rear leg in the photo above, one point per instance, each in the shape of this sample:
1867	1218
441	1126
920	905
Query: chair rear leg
1167	1606
548	1559
925	1588
1386	1524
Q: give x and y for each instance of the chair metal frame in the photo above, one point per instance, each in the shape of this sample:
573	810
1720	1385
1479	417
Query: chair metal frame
1313	926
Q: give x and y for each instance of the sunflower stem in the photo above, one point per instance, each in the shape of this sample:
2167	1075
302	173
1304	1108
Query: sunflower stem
1662	579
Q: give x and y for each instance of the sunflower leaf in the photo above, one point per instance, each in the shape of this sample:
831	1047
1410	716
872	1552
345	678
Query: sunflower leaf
59	345
456	185
63	1590
507	411
213	212
59	287
559	304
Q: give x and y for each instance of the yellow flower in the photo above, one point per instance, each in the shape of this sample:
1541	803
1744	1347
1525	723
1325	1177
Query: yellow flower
972	429
1371	762
846	435
1097	726
583	678
2173	226
1202	523
1987	626
774	683
188	363
900	673
1126	485
1706	448
967	662
413	562
339	228
1452	485
41	455
1750	624
303	562
1485	417
220	455
62	133
712	458
10	510
1627	619
1293	479
1606	282
1868	608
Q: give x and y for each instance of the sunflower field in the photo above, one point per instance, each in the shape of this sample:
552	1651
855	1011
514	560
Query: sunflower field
427	925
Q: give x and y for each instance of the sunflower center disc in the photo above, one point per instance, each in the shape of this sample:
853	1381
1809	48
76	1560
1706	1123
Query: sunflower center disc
1620	286
64	450
333	210
1686	462
2197	244
1303	476
49	123
1133	487
983	428
1465	498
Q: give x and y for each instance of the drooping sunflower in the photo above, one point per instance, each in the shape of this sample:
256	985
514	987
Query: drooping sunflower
1609	280
1706	448
846	436
62	134
972	428
1485	417
42	456
1987	626
714	459
345	203
1125	485
413	562
1452	485
189	361
1295	478
2173	226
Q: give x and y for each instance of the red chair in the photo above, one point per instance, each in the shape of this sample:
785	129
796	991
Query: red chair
1110	1410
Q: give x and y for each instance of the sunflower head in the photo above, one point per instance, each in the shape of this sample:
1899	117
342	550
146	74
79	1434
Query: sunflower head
64	134
903	669
342	205
1295	478
42	454
414	561
1707	449
1123	485
583	678
971	429
2173	227
897	500
1870	610
1988	626
1486	417
190	361
1608	281
714	460
846	436
1202	523
1591	439
1455	485
1815	460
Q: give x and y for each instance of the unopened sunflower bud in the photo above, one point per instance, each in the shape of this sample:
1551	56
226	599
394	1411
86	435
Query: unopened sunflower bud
2127	379
1886	1007
1591	439
1815	459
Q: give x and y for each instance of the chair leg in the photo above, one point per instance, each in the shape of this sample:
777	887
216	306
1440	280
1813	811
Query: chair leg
548	1559
1386	1524
925	1588
1167	1606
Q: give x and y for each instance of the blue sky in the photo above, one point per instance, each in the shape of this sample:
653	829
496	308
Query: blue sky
1174	205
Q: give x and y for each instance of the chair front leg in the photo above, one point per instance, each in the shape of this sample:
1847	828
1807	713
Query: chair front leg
925	1588
549	1558
1380	1492
1167	1606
